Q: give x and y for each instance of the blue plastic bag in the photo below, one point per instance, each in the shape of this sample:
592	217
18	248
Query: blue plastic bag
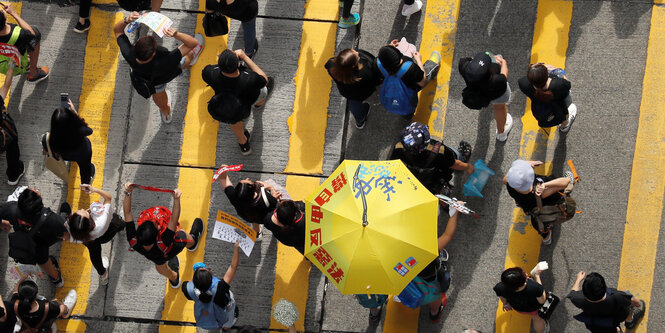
476	182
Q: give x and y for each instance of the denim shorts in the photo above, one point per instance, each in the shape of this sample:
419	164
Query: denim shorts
159	88
505	98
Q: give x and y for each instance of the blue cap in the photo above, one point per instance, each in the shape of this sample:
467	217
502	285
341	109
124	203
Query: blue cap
198	265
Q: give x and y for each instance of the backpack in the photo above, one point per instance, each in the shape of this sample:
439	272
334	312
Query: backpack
134	5
4	61
557	213
41	327
226	107
161	217
547	114
474	99
428	174
7	132
22	245
143	86
395	96
209	315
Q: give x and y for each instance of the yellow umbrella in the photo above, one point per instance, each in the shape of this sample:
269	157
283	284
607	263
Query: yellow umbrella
371	227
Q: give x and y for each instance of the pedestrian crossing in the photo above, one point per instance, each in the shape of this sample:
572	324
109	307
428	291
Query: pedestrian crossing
307	126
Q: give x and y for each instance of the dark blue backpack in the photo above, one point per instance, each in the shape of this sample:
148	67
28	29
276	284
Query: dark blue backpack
395	96
209	315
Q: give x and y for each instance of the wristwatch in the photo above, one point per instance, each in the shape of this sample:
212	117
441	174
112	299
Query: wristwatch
128	194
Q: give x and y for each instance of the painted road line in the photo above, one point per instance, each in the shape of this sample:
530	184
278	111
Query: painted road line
307	125
95	105
550	42
438	34
647	184
199	146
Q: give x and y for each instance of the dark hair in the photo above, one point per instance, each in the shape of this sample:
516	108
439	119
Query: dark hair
594	287
79	227
228	61
3	20
513	278
66	130
30	204
249	329
145	48
146	233
286	213
202	281
390	58
27	293
537	76
245	192
345	67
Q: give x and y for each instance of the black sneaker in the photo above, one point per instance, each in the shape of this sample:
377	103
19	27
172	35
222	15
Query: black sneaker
42	74
81	28
256	50
196	231
14	181
174	264
245	148
464	150
375	319
93	172
59	282
65	208
361	124
270	85
638	313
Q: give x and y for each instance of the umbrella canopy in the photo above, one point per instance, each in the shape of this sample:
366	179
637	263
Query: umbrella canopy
371	227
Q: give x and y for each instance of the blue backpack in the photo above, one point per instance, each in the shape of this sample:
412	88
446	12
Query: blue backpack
395	96
209	315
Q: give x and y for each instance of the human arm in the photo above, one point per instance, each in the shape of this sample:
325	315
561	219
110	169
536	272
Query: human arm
175	214
127	203
542	298
21	23
577	286
506	305
188	42
4	90
459	165
273	192
104	194
447	235
250	63
504	65
231	271
119	27
417	58
224	179
552	187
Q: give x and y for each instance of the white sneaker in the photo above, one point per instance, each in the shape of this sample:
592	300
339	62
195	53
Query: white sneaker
165	119
547	326
104	279
259	236
70	302
198	49
548	240
572	112
409	10
506	129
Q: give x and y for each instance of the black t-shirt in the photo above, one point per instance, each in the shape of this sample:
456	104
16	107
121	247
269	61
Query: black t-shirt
615	305
525	300
413	75
220	299
241	10
559	87
163	68
155	253
528	201
492	86
33	318
369	75
48	234
429	174
247	85
255	210
8	325
294	236
25	37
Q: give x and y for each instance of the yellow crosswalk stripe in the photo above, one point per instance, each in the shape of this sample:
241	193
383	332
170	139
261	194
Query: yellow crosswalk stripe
95	105
647	184
438	35
550	42
199	145
307	125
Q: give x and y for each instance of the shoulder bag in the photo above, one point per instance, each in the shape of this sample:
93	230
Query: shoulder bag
57	166
22	245
548	307
215	24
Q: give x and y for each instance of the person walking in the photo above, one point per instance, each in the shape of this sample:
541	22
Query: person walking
95	226
214	304
28	215
287	224
158	236
432	162
347	20
153	66
374	303
523	294
403	77
548	89
27	40
238	89
9	137
486	78
68	140
356	75
244	11
603	308
36	312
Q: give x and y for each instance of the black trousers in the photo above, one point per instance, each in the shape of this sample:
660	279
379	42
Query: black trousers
95	246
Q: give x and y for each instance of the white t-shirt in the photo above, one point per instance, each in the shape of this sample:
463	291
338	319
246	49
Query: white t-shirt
101	214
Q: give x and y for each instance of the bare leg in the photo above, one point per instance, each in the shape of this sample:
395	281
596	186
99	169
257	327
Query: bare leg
239	130
49	269
156	5
500	117
188	59
538	324
34	58
162	102
190	241
256	227
166	271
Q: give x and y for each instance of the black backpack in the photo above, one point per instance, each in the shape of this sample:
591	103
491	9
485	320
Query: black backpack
226	107
474	99
134	5
428	174
22	245
7	132
547	114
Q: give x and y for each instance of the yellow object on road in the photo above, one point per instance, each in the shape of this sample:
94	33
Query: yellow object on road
371	227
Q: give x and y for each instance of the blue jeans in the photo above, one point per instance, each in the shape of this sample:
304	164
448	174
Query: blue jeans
249	32
357	110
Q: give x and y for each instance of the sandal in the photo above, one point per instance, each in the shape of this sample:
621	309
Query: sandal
436	317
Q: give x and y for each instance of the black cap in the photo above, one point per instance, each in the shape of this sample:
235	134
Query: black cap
478	68
228	61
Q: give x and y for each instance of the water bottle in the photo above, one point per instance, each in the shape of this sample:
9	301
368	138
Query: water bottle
558	72
132	26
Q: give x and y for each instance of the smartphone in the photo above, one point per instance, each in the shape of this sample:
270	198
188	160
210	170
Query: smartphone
64	100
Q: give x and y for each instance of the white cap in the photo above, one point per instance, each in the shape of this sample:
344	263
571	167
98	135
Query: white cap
520	175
